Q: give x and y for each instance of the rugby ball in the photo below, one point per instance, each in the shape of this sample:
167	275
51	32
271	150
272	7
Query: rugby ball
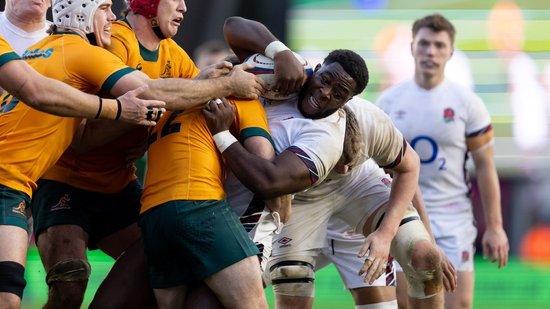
263	67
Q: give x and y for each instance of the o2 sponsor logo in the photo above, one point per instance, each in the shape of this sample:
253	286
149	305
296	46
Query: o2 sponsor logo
427	150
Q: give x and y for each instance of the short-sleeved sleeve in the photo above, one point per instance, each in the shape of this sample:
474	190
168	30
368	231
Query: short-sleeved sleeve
7	53
100	67
250	119
318	143
478	120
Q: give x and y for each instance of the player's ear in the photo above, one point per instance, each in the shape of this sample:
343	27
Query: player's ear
317	67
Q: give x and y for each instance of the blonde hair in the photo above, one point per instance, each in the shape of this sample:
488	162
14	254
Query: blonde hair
353	140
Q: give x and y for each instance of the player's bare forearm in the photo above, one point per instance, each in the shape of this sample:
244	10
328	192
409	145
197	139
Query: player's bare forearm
489	187
198	91
57	98
412	166
494	240
481	148
43	93
181	93
268	179
400	198
246	36
261	147
404	185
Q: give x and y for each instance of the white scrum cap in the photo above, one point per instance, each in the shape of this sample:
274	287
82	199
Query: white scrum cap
75	14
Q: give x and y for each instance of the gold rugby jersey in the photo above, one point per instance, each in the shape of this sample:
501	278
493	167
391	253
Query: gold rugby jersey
184	163
105	169
32	141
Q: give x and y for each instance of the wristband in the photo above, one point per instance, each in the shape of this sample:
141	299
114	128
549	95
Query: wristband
223	140
99	108
109	109
274	48
119	109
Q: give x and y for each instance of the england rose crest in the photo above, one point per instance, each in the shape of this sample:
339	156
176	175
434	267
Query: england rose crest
449	115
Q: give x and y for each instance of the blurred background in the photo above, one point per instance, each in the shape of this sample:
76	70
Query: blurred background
502	53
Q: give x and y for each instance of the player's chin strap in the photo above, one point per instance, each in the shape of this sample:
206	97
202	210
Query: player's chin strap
91	38
156	29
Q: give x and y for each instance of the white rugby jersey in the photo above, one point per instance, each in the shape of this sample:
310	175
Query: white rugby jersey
436	124
318	143
382	142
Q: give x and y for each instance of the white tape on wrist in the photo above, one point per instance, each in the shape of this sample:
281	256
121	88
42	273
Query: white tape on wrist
274	48
223	140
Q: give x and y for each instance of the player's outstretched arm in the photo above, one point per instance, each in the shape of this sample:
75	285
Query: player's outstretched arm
54	97
268	179
182	93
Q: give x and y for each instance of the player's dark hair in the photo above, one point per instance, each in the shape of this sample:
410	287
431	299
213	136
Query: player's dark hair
435	22
353	64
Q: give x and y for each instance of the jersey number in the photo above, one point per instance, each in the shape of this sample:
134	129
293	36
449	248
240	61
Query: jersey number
168	128
8	103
